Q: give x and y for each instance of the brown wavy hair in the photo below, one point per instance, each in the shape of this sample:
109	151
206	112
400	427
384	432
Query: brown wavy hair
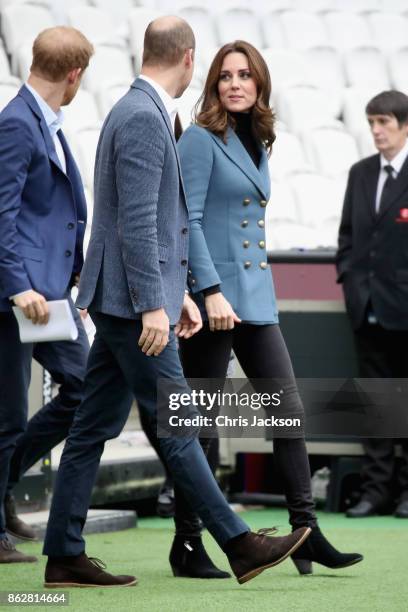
209	112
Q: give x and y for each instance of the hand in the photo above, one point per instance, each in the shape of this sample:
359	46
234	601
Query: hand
34	306
221	315
190	321
76	280
155	333
83	313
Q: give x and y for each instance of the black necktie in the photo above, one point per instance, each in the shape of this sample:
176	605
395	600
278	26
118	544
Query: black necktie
386	188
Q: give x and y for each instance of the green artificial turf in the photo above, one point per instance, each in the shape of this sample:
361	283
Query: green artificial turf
378	584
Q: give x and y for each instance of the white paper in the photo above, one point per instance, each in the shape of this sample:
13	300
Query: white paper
61	324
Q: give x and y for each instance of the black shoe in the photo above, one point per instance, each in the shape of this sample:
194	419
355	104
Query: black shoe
316	548
401	510
165	501
189	559
364	508
14	525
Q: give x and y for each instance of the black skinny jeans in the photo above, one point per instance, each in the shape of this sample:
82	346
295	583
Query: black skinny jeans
262	353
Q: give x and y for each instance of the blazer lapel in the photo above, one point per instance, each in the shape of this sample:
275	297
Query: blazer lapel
237	153
30	100
370	185
147	88
398	187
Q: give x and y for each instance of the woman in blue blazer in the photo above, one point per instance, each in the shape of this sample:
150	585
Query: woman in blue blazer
224	160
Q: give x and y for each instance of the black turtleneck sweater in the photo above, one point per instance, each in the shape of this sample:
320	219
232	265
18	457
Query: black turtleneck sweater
243	130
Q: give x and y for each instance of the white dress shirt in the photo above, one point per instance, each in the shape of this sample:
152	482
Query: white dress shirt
168	102
397	162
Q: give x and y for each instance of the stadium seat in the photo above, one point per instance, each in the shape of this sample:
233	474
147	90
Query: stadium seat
20	24
355	101
316	202
398	69
139	19
282	204
287	68
119	12
95	23
331	151
86	141
304	107
272	31
304	30
238	23
4	63
186	105
393	6
314	6
109	65
365	142
203	26
356	6
8	90
281	235
328	74
108	96
348	30
82	113
366	67
389	30
287	156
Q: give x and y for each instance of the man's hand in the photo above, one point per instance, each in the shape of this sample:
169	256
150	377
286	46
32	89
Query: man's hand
155	333
34	306
83	313
190	321
221	315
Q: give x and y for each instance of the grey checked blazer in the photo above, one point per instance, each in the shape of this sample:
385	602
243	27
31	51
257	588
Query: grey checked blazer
137	255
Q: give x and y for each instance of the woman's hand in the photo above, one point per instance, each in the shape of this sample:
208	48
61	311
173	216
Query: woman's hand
221	315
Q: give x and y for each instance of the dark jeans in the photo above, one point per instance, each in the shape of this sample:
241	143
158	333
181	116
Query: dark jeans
22	443
117	370
382	353
262	353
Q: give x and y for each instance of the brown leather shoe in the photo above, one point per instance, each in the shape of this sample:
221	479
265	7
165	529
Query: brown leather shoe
255	552
9	554
14	525
82	571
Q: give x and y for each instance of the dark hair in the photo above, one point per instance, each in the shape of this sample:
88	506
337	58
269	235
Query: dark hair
57	51
213	116
166	40
392	102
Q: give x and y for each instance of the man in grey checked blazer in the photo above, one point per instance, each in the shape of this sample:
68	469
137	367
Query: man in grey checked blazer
133	284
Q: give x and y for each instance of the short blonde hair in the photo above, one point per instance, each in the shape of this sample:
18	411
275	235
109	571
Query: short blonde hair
57	51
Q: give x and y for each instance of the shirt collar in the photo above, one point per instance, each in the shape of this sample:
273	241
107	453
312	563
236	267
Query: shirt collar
398	161
52	119
168	102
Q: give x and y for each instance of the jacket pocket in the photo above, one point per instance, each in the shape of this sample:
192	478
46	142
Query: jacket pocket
31	252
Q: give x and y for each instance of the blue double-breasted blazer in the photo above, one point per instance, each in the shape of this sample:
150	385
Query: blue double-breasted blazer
227	197
42	208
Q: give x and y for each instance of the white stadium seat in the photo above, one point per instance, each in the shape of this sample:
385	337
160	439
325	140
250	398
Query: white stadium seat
304	107
287	68
356	6
315	199
82	113
348	30
272	31
282	205
238	23
119	12
287	156
95	23
330	151
398	68
304	30
8	90
314	6
4	63
86	143
327	69
393	6
390	30
20	24
110	64
186	105
366	67
109	95
355	102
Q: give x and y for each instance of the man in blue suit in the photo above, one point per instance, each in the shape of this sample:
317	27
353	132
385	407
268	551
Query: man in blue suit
133	283
42	224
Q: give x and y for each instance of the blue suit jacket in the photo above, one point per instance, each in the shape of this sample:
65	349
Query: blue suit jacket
42	209
226	197
137	255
